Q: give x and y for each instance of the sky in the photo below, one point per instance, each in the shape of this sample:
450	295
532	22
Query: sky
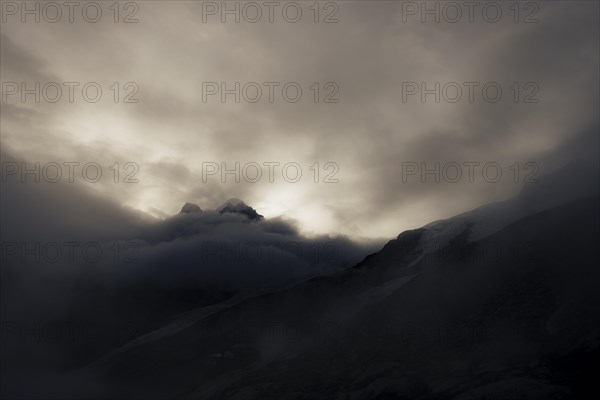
172	133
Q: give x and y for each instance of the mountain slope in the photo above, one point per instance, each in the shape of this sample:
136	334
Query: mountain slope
464	319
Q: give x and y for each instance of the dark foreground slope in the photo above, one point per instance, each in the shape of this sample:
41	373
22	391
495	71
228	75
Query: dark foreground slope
511	315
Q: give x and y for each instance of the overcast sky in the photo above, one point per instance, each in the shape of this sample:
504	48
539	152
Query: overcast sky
363	61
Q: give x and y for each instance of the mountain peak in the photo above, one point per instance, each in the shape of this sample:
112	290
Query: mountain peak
237	206
233	202
190	208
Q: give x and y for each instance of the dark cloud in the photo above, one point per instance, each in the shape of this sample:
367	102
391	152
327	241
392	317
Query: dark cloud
48	228
369	53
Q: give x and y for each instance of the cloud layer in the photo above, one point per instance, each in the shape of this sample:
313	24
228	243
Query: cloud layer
368	134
